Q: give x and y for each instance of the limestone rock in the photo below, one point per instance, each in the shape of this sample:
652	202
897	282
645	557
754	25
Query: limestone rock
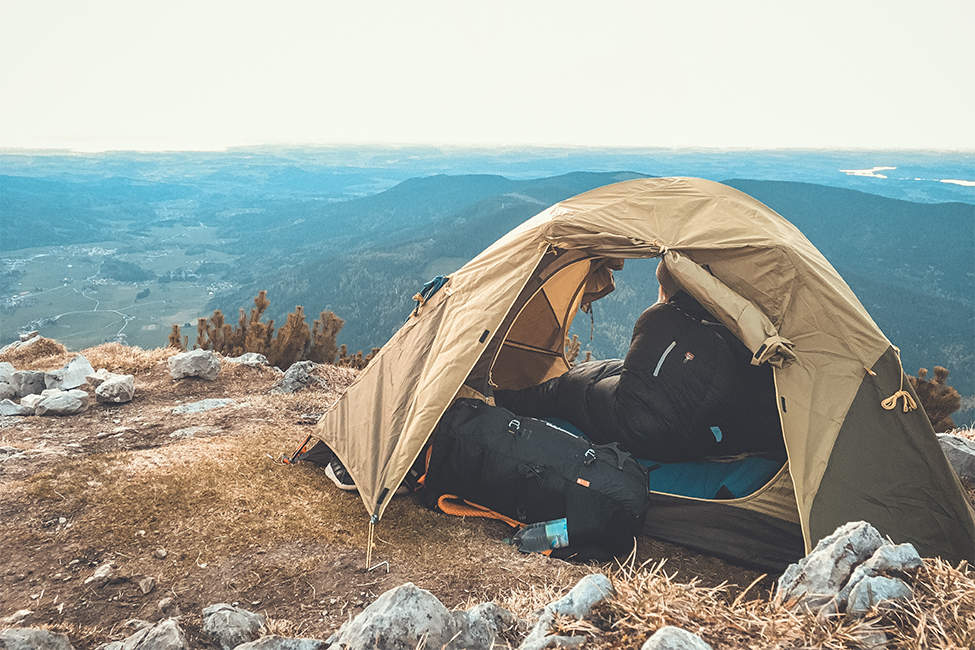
588	592
146	584
479	626
252	359
888	558
26	336
400	619
816	580
96	378
164	635
195	363
27	382
7	371
228	626
31	401
274	642
16	618
28	638
73	374
202	405
674	638
960	452
117	389
10	407
168	607
875	590
68	402
297	377
104	573
7	391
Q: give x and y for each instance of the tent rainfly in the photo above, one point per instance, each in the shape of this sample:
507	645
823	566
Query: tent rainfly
856	449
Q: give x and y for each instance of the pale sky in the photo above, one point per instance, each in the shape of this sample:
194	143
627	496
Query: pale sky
203	74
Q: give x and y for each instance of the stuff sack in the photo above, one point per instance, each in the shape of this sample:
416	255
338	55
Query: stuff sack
531	471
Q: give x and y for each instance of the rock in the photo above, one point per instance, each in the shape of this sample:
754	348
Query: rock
6	453
674	638
136	624
875	590
31	401
275	642
96	378
816	580
588	592
28	638
16	618
228	626
27	382
960	452
164	635
169	608
160	553
116	389
190	432
252	359
400	619
298	376
7	391
9	407
7	371
73	374
26	336
146	584
69	402
20	345
886	559
102	575
480	626
195	363
203	405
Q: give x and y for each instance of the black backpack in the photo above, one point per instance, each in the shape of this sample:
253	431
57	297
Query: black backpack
488	459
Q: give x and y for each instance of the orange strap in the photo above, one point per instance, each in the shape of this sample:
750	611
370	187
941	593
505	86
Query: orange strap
452	504
426	467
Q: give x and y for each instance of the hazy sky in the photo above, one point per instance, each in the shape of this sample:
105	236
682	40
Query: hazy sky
729	73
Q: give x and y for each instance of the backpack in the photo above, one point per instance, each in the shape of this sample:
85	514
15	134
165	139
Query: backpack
487	461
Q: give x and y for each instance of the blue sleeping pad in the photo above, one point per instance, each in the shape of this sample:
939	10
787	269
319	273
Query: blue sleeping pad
703	479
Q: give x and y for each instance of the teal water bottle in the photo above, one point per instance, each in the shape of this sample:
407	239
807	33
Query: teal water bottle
543	536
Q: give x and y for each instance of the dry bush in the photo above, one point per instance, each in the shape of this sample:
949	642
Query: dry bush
116	357
938	399
40	354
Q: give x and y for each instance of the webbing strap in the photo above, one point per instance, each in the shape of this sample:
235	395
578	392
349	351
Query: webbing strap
452	504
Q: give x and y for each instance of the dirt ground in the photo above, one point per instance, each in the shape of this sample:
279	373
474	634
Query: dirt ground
118	483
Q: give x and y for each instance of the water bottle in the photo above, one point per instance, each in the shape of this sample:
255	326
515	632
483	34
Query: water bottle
543	536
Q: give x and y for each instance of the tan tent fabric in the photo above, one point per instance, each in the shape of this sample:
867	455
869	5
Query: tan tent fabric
753	269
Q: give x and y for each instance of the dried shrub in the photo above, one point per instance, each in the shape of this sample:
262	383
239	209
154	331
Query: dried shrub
35	354
125	359
177	340
938	399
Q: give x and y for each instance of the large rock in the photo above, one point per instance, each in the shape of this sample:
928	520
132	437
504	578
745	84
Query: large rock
297	377
588	592
195	363
10	407
960	452
274	642
816	580
228	626
674	638
164	635
29	638
7	371
897	560
31	401
479	626
875	590
400	619
68	402
252	359
27	382
117	389
7	391
73	374
203	405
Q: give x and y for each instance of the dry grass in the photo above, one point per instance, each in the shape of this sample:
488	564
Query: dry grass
45	353
116	357
940	615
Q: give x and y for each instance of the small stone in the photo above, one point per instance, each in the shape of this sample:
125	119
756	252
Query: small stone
31	400
69	402
26	336
7	391
252	359
11	408
204	364
146	584
62	520
117	389
7	371
297	377
160	553
26	638
168	607
16	618
274	642
674	638
98	377
164	635
586	594
203	405
228	626
103	573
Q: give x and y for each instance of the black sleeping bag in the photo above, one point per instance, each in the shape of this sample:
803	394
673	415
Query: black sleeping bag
683	374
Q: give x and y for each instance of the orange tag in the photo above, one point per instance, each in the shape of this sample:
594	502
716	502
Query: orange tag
583	482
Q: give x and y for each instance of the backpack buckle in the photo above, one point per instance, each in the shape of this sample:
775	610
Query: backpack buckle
514	427
590	457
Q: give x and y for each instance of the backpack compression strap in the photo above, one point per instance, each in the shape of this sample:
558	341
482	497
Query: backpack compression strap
452	504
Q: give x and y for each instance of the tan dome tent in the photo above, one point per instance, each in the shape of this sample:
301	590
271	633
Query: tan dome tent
500	321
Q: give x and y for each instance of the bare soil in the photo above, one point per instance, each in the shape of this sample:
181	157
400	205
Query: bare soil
237	525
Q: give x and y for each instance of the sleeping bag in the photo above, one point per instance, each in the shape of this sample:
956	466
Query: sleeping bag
685	390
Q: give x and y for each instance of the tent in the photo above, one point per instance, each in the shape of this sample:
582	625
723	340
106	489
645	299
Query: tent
856	449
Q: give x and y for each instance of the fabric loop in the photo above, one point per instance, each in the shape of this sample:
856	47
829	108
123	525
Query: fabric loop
776	351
